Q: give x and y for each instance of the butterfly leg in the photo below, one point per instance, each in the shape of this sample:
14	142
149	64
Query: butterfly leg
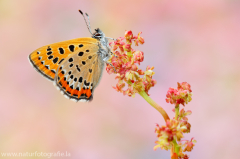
111	65
111	38
113	54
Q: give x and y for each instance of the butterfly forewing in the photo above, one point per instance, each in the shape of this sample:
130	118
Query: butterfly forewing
48	58
78	75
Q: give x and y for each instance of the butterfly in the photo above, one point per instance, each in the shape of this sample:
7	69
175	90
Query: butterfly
75	66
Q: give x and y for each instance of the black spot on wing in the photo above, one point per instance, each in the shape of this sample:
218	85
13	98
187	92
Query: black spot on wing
71	65
49	48
50	57
86	84
55	60
61	50
70	60
71	48
60	61
80	53
80	79
78	68
47	67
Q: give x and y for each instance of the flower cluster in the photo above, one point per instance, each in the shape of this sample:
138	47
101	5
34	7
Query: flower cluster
170	135
181	95
124	64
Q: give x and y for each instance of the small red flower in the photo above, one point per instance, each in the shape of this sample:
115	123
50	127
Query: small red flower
189	145
174	156
138	39
128	35
138	57
127	47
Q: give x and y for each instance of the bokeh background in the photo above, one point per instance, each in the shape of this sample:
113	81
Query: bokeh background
193	41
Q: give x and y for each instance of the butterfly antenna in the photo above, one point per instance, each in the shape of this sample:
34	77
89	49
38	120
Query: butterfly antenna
87	23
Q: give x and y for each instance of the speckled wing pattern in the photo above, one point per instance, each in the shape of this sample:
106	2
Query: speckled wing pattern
74	65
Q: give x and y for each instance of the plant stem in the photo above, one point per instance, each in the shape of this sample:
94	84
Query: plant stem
154	105
176	147
176	111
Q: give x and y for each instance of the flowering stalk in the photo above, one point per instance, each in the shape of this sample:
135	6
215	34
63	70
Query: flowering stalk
124	65
170	136
154	105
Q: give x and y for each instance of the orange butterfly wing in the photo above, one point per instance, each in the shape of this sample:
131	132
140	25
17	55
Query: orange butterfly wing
79	74
47	59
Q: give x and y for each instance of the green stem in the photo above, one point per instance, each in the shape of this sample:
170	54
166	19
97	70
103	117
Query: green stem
129	54
176	147
176	111
155	105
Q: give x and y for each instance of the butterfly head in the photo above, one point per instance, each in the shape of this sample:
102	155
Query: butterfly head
98	34
103	44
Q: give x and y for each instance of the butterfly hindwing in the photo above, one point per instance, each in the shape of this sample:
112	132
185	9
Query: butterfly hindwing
79	74
47	59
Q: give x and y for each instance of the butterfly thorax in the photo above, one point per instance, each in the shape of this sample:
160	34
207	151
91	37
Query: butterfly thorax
104	49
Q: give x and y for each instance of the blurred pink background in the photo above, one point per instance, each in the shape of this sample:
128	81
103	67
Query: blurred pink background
196	42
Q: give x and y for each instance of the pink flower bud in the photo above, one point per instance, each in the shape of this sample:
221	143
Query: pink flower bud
138	57
119	86
134	68
189	145
127	47
115	47
136	42
128	35
140	39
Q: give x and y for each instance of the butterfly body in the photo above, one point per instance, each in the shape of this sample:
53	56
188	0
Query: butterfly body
75	66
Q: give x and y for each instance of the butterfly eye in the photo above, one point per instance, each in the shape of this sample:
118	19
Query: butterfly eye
97	34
